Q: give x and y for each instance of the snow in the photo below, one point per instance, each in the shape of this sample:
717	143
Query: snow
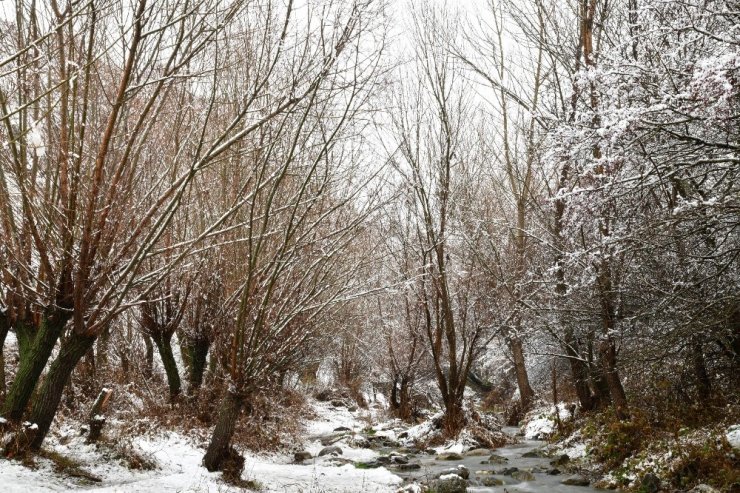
178	458
575	451
330	417
544	423
447	477
733	436
300	478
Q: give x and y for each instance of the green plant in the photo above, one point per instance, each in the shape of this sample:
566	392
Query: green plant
711	462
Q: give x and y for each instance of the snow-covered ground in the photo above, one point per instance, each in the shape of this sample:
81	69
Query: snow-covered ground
543	421
178	458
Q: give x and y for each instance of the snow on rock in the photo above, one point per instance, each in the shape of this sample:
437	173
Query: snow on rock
449	477
543	423
575	451
423	429
733	436
539	428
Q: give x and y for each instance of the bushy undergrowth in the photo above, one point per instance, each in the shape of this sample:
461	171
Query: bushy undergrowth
625	451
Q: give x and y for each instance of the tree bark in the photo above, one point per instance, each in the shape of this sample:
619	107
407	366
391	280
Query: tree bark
704	383
525	389
454	418
4	327
46	402
579	371
102	348
164	346
616	390
218	448
33	363
197	350
602	397
149	358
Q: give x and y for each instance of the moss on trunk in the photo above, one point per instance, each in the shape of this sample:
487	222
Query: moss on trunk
164	346
32	363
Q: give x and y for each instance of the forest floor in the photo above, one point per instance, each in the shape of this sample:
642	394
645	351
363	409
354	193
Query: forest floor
170	461
347	450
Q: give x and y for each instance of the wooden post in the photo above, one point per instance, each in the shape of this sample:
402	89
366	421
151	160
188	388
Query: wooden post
97	418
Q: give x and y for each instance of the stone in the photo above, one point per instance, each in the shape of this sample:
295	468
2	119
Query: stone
461	471
450	456
650	483
403	434
338	461
373	464
303	455
358	441
451	484
341	428
407	467
324	396
576	481
508	471
491	482
554	471
497	459
561	460
409	451
535	454
399	459
331	439
352	409
330	450
522	476
477	452
338	403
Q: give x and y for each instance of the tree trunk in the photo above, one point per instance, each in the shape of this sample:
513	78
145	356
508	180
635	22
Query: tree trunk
525	389
33	363
164	345
86	373
102	348
616	391
395	404
597	377
149	358
218	448
454	418
4	327
700	370
47	400
404	410
197	350
579	371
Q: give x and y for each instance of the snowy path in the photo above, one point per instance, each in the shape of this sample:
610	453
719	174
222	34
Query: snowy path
179	460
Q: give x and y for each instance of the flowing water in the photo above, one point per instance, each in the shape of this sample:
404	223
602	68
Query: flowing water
543	482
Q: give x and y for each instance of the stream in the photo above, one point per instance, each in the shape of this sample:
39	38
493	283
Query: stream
431	467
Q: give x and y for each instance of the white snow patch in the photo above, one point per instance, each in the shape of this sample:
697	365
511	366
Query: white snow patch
330	417
575	451
544	423
733	436
447	477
